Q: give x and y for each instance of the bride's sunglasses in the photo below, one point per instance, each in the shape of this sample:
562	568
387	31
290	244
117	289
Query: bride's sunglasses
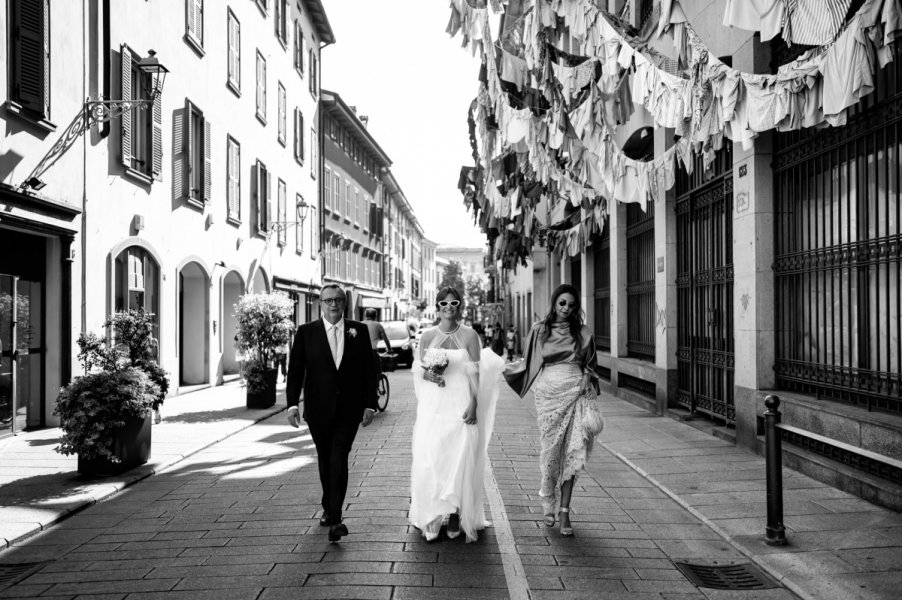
452	303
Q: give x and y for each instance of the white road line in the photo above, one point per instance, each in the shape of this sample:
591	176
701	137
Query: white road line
517	585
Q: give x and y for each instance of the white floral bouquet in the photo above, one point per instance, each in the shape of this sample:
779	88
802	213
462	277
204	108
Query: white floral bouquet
435	360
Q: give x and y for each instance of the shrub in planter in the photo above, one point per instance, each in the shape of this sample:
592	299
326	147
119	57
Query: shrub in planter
92	407
264	326
133	333
104	414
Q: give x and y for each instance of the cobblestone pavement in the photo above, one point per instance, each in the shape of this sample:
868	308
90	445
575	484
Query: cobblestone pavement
239	520
39	487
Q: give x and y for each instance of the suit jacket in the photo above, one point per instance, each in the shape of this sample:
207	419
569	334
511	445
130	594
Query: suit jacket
331	394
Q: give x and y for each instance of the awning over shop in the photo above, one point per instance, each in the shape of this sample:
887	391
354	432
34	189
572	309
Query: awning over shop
292	285
371	300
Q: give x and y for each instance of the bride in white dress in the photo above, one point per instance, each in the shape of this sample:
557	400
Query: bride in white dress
455	416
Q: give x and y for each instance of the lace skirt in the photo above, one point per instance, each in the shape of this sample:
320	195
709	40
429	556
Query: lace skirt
565	449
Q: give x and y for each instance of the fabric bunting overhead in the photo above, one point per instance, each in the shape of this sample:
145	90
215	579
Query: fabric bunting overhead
543	120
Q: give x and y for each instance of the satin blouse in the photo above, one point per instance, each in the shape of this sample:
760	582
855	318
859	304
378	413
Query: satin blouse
557	349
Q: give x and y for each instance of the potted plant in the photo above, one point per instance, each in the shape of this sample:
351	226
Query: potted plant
105	413
264	327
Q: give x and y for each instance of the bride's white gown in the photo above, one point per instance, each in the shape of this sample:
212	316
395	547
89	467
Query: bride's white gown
449	455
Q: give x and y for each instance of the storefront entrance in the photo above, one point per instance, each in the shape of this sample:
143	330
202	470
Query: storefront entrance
21	331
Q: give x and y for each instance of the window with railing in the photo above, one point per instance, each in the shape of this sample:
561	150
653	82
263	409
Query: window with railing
601	248
838	253
640	281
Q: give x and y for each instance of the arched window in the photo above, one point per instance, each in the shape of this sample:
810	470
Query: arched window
138	283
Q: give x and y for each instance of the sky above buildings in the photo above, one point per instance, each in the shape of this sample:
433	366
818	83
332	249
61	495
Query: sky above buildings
395	63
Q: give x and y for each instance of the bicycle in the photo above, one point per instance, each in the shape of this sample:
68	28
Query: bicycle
383	389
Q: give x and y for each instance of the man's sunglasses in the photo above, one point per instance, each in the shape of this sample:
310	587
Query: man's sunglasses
563	303
452	303
332	301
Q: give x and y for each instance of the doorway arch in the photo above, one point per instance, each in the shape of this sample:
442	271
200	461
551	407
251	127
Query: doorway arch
260	284
194	315
232	289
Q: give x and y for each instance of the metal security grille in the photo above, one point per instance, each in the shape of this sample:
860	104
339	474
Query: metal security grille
12	573
705	352
601	247
838	253
743	576
640	281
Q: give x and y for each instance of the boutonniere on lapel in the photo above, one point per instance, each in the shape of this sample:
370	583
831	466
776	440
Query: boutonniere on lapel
352	333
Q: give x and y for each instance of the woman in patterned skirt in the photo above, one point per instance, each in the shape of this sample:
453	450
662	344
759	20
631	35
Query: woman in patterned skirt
559	367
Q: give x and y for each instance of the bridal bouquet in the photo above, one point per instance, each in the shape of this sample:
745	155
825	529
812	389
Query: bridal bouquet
435	360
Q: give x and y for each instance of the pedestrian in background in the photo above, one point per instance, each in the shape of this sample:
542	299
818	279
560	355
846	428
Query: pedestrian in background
559	367
488	336
498	339
511	341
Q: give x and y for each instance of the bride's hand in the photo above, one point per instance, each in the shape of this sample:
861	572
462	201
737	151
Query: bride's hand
470	414
432	377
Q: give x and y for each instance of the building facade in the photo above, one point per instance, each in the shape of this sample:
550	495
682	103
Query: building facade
40	242
403	284
431	276
771	267
353	207
176	207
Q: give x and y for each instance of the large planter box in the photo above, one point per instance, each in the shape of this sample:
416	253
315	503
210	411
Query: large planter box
131	445
267	396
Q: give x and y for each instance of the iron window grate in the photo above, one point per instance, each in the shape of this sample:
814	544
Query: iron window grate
13	573
743	576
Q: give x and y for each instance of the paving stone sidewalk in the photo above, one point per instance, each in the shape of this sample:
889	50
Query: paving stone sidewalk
840	546
38	486
239	520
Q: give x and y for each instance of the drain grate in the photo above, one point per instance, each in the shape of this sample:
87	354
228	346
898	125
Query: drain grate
743	576
12	573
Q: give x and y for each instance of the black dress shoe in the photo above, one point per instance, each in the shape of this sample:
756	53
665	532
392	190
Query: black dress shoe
337	531
325	520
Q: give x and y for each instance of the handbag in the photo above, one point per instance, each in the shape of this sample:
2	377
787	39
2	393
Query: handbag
593	421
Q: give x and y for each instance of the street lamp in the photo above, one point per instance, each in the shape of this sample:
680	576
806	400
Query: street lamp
300	212
101	111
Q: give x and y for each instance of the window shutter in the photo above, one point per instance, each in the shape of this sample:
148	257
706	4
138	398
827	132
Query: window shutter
45	58
29	67
158	138
126	122
189	8
269	209
199	19
311	84
187	149
233	167
301	135
259	187
208	164
234	51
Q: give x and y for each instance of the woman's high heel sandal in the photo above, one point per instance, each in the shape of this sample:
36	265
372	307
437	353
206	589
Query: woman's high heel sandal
566	530
548	519
453	529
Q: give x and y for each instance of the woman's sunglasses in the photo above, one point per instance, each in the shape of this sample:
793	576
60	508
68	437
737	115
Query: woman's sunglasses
563	303
452	303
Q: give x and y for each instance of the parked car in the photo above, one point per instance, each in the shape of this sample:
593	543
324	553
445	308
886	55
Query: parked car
423	326
401	344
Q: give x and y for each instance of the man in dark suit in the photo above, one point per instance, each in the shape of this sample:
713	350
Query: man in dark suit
332	362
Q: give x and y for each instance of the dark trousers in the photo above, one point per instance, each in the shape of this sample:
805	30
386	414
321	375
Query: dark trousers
333	443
